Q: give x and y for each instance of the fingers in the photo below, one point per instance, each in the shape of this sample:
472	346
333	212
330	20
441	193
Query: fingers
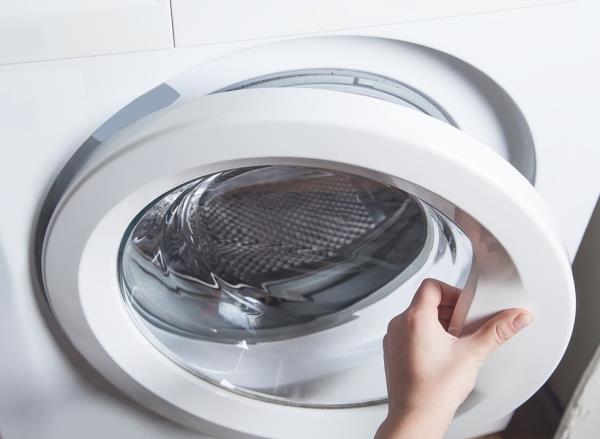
433	293
445	315
435	299
449	294
445	312
386	361
497	330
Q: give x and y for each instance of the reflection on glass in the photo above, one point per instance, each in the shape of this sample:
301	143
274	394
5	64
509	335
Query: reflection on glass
278	281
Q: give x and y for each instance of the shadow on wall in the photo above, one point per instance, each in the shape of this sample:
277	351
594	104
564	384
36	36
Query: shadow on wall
586	335
9	326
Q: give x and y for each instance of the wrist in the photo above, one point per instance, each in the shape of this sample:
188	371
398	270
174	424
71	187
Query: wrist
430	423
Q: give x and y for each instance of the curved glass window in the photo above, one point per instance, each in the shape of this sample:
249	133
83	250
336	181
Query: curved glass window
278	281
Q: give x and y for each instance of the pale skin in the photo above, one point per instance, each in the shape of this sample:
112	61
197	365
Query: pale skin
430	372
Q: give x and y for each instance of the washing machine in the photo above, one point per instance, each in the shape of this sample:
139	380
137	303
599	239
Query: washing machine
211	210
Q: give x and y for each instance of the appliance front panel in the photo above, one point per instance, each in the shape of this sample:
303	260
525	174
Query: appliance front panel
184	253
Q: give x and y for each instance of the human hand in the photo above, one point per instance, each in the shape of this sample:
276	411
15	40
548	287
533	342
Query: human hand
430	372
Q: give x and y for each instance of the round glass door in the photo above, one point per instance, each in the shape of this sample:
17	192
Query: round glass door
278	281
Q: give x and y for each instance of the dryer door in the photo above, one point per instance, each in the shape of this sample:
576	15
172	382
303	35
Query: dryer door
232	261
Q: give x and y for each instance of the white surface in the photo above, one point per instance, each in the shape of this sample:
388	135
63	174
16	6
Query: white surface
258	126
45	381
48	109
474	102
206	21
34	30
560	112
201	22
552	76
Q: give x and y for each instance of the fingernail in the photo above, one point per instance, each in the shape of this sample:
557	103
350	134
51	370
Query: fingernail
522	320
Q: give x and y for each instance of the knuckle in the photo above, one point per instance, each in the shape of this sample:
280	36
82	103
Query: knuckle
427	286
413	318
429	282
394	323
401	322
409	320
501	334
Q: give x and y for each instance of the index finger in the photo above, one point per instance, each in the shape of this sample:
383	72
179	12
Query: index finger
433	293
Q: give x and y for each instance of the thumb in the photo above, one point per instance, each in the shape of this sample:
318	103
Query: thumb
497	330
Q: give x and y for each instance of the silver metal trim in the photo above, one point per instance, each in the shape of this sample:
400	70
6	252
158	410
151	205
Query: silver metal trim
350	81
